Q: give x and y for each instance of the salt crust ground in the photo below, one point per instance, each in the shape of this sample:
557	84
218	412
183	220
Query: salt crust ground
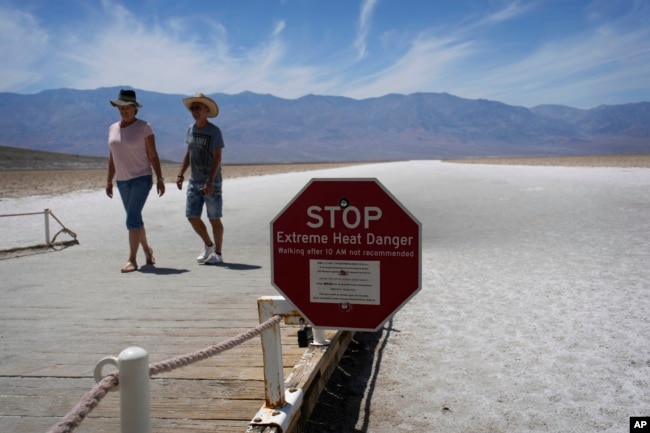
533	313
533	309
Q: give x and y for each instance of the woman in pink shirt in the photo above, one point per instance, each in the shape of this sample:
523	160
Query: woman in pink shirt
132	156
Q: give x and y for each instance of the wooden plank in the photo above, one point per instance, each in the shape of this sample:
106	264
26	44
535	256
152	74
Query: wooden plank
74	388
112	425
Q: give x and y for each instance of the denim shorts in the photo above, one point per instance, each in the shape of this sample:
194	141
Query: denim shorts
134	193
196	200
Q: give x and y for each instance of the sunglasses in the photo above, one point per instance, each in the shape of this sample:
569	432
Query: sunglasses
196	108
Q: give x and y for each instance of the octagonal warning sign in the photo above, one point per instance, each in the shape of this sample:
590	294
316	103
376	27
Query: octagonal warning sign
346	253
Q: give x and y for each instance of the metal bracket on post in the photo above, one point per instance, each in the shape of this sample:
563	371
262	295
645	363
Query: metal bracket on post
279	417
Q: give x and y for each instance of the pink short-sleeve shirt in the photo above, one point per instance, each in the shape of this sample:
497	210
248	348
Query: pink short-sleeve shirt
129	150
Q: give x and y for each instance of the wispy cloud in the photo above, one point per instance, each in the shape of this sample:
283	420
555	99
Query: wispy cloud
572	69
579	67
509	12
23	46
363	29
427	61
178	56
433	58
279	27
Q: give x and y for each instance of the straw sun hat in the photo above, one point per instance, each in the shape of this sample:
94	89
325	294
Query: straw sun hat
213	108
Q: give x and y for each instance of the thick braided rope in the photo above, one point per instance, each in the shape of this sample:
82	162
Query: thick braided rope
88	402
181	361
92	398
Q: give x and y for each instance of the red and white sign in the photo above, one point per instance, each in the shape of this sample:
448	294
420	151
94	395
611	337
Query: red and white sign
346	253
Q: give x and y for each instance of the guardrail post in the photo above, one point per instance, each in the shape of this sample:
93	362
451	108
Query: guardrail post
47	227
280	407
133	367
269	306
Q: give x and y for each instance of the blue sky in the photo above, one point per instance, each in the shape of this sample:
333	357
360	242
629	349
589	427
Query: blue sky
571	52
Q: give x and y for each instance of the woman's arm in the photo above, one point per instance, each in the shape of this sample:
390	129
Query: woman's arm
154	160
110	175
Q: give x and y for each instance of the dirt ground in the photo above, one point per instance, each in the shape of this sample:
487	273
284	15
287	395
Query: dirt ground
23	182
20	183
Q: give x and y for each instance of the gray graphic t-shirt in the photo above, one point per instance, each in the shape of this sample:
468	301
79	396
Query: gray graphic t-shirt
201	142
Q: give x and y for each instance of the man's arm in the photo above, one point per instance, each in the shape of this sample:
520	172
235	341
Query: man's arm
216	164
181	173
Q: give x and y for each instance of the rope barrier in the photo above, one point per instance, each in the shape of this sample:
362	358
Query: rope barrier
88	402
173	363
91	399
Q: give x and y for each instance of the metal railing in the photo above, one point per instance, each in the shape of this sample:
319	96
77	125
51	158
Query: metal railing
47	214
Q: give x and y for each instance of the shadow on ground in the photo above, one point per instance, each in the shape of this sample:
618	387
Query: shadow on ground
31	250
344	404
239	266
151	269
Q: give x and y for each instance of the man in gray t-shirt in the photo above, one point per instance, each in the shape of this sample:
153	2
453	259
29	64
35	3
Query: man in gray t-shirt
203	156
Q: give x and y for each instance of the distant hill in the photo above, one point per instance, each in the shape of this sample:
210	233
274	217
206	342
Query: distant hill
267	129
18	158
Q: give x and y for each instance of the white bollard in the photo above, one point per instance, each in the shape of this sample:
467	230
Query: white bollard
133	366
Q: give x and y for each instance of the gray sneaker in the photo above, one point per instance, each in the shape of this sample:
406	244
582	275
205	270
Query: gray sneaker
205	254
214	259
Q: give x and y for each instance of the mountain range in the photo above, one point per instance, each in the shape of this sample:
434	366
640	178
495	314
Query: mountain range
259	128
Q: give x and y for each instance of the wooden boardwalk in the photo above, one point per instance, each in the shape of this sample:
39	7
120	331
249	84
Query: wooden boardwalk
54	333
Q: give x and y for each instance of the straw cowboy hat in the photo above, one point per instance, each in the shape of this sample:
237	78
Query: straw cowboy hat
213	108
126	97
